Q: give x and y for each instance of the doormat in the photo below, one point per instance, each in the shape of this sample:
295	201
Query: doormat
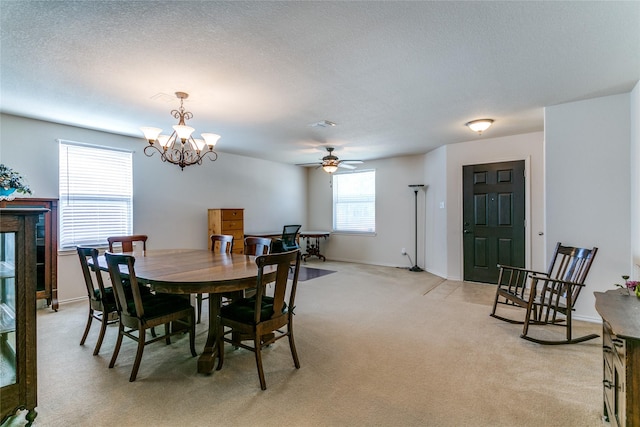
308	273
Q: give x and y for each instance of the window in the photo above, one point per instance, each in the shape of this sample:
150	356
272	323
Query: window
96	194
354	202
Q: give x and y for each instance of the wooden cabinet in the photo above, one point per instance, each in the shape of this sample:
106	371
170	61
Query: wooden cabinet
621	356
18	357
47	246
228	221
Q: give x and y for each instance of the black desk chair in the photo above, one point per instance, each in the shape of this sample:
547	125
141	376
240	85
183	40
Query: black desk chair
288	241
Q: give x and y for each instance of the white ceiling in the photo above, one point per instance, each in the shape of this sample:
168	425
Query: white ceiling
397	77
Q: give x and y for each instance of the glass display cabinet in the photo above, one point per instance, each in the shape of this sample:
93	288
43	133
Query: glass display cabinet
18	277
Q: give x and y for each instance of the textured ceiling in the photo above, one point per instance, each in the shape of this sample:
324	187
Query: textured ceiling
397	77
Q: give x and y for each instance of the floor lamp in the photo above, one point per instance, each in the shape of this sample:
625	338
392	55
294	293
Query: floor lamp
416	187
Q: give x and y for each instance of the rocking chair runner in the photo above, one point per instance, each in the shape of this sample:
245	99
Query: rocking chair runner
548	297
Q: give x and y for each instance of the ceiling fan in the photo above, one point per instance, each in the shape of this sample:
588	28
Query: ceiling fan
331	163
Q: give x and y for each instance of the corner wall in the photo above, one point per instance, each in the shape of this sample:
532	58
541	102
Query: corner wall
635	180
395	214
588	187
528	147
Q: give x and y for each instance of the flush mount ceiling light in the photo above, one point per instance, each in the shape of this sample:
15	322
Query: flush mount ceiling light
180	148
479	125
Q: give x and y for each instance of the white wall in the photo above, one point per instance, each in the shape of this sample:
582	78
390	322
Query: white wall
635	180
588	186
170	205
436	243
528	147
395	214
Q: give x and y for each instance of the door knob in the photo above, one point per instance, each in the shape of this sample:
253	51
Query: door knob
467	232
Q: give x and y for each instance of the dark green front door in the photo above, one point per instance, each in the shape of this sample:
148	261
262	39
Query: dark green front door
493	219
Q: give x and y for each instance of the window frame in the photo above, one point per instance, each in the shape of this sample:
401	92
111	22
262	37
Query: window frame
116	163
334	203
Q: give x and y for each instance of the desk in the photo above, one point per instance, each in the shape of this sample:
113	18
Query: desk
313	248
197	271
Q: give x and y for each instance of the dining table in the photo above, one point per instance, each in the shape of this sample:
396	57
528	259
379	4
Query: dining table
198	271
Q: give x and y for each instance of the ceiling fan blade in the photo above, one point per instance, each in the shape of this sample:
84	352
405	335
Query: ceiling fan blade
351	162
345	166
309	164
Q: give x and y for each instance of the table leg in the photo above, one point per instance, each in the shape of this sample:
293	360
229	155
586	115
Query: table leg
208	357
319	255
313	249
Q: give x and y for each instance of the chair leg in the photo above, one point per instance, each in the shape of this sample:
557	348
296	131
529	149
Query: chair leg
138	359
116	350
220	347
86	329
258	352
192	334
292	345
167	333
103	328
199	306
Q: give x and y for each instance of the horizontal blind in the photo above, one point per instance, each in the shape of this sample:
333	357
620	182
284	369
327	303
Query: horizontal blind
354	202
96	194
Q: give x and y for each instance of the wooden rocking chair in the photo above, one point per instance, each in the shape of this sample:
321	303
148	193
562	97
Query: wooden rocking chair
548	297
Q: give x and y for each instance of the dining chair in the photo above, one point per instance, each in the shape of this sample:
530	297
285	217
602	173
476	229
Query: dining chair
222	244
127	242
139	314
548	297
262	318
257	245
102	302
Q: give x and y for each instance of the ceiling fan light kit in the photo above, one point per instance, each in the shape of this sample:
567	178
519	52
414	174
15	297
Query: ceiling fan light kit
331	163
323	124
180	148
479	125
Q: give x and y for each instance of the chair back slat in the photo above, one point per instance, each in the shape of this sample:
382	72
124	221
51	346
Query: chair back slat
127	242
221	243
257	245
571	264
283	261
129	303
91	272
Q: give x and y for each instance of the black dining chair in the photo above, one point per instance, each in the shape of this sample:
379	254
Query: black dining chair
263	318
102	302
221	244
139	314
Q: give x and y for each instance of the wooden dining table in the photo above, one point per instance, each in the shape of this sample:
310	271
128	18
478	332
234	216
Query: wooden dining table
197	271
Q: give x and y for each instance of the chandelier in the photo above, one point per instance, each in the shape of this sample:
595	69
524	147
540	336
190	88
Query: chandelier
180	148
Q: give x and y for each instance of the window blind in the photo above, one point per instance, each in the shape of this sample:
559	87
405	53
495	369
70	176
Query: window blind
354	202
96	194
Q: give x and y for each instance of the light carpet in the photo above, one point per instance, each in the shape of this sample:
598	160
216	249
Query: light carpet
378	346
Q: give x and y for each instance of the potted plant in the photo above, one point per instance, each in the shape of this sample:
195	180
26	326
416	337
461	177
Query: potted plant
11	181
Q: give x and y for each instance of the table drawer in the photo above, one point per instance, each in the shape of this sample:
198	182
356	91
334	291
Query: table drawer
232	214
